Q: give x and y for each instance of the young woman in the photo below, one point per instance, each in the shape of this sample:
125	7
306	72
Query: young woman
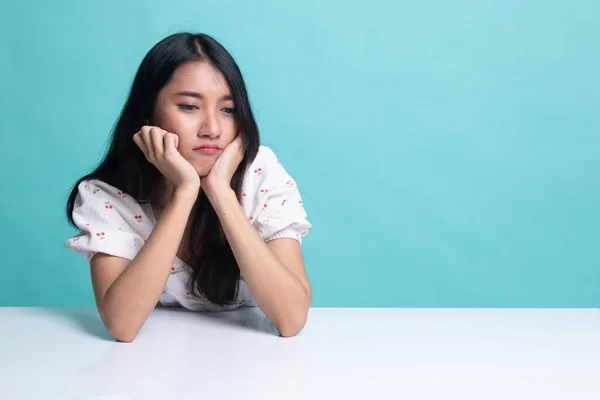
187	209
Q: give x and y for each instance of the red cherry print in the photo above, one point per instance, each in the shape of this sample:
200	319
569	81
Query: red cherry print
188	293
243	194
283	203
110	206
251	218
260	169
265	205
97	234
102	233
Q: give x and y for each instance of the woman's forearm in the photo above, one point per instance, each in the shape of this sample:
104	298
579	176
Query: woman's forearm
277	291
135	293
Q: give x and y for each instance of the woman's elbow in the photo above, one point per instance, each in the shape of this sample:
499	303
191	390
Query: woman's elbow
121	335
292	326
295	320
120	331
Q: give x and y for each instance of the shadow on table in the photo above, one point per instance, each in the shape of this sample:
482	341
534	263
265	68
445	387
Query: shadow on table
244	317
85	320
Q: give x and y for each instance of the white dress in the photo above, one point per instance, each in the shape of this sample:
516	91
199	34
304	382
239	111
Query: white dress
112	222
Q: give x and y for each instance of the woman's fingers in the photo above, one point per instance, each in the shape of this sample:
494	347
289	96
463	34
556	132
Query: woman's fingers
156	143
139	140
169	144
160	148
145	133
156	136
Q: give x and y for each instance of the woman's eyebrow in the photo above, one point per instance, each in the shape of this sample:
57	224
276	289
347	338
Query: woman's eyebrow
200	96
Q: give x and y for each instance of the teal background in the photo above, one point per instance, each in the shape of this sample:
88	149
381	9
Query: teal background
448	152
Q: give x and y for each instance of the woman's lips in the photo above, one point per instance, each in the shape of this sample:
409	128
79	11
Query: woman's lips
207	149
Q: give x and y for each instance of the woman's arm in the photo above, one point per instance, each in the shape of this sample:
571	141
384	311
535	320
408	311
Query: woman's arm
274	271
127	291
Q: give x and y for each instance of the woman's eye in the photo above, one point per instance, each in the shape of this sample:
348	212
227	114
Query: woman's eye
229	110
188	107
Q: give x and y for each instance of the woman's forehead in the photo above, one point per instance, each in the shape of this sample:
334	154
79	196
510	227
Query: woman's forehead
199	77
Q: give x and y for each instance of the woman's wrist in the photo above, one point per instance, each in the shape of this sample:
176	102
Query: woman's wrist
221	197
185	194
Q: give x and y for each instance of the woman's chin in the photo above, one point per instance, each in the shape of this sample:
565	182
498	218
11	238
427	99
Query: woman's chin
203	169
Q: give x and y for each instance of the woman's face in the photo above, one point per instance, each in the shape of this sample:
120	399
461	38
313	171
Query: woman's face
197	106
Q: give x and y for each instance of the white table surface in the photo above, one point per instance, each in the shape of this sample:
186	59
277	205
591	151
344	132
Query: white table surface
482	354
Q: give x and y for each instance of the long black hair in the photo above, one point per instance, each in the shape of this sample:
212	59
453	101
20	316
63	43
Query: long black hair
215	271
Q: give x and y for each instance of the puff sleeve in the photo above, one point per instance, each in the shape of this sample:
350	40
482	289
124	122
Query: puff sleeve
277	210
107	220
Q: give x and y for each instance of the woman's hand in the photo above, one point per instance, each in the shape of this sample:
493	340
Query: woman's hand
218	179
160	148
